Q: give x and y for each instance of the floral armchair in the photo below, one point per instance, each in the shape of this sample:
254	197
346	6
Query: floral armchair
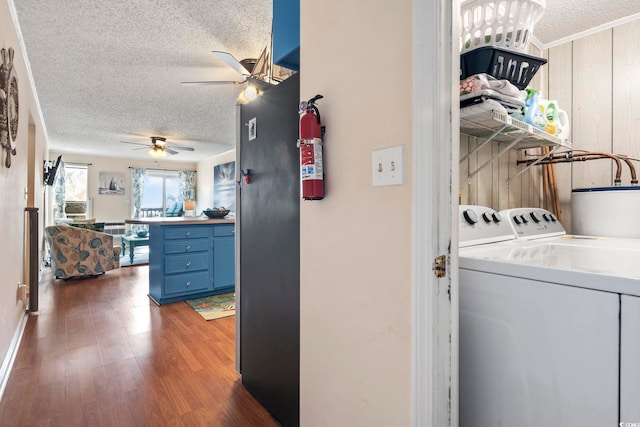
78	252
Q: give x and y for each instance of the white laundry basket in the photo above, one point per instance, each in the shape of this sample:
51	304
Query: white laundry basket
500	23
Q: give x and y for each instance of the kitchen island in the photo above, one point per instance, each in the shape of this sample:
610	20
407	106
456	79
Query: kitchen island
189	257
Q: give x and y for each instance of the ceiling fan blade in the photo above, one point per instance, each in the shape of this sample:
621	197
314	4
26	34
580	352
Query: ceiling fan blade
170	151
231	61
135	143
141	148
183	148
213	82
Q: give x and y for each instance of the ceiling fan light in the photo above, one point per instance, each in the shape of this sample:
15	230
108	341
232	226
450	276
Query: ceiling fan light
248	94
157	153
251	92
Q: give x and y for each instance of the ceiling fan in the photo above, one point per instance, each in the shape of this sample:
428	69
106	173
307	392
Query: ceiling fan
243	67
158	147
260	72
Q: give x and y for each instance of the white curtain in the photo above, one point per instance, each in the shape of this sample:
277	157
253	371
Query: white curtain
187	185
137	190
59	193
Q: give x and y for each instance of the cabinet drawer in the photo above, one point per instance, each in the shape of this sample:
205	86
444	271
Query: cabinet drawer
224	230
185	246
185	263
186	232
186	283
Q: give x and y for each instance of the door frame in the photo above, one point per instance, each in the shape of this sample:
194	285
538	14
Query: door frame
238	180
434	217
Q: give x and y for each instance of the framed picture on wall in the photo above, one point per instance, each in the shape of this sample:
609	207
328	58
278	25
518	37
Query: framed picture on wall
224	186
111	183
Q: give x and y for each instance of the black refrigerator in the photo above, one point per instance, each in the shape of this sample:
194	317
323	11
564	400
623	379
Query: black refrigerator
269	250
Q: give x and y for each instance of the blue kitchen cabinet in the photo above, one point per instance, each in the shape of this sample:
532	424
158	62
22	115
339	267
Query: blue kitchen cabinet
224	249
190	261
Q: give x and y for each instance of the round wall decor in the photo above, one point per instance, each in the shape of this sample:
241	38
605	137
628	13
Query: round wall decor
9	110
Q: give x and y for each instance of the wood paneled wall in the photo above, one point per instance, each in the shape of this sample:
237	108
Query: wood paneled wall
595	80
489	187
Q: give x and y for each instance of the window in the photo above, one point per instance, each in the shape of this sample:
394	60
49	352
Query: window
75	183
161	191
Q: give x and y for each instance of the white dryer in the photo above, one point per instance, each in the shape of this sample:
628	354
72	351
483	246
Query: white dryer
549	325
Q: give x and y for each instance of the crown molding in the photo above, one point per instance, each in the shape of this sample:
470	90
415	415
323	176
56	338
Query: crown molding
27	64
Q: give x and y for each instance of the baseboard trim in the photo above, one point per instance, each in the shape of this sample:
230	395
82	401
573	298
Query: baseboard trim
10	357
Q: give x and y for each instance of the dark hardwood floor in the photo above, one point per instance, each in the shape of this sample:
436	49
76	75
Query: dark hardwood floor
100	353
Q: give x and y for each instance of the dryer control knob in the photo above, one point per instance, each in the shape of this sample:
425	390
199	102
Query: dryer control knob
516	219
534	217
470	216
486	217
496	217
546	217
524	220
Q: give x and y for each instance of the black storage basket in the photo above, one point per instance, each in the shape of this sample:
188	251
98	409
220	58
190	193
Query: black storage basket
518	68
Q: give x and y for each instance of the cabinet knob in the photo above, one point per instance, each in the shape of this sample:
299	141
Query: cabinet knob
188	263
188	233
188	247
188	284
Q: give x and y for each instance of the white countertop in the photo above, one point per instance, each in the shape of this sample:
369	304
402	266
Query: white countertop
179	220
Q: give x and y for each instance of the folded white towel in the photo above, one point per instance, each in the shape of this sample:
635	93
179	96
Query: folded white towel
482	81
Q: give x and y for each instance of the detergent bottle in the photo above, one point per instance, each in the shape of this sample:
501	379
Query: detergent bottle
563	125
533	114
550	112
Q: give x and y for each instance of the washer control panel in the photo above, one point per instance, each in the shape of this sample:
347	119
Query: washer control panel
479	225
532	223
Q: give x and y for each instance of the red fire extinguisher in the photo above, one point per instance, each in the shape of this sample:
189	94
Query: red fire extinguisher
310	143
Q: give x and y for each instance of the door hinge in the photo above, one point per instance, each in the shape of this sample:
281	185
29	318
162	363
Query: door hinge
440	266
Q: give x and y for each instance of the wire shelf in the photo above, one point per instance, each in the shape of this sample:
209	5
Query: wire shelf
495	126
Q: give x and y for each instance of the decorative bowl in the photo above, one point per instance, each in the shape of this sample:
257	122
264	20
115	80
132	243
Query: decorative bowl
142	233
217	213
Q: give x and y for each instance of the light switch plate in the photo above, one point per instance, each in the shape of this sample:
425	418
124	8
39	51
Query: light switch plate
387	166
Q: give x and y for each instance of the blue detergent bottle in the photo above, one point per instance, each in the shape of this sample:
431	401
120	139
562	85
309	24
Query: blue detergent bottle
533	114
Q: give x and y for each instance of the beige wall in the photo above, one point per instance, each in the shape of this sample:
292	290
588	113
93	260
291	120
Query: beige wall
115	208
355	302
19	184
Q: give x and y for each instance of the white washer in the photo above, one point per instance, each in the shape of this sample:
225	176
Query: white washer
549	326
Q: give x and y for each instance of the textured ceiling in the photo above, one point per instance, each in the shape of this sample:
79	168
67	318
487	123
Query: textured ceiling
107	71
111	71
565	18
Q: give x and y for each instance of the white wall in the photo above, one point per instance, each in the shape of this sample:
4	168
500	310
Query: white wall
355	296
205	178
115	208
17	186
